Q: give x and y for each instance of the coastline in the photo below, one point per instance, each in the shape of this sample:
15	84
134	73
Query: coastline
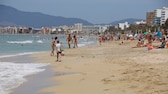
35	82
17	63
109	68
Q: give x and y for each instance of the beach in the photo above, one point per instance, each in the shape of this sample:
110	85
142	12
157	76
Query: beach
108	69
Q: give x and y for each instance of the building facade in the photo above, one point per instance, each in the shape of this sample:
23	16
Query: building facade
150	18
157	17
123	26
164	15
78	27
95	29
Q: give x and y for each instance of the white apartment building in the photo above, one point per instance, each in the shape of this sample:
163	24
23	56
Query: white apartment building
164	15
123	26
78	27
157	16
161	15
140	22
90	29
94	29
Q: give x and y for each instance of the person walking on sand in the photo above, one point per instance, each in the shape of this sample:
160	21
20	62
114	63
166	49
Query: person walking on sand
53	45
69	39
58	50
75	40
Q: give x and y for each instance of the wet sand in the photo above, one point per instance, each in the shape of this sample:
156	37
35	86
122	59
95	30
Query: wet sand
34	82
109	69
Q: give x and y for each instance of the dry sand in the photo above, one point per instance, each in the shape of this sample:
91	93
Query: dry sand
109	69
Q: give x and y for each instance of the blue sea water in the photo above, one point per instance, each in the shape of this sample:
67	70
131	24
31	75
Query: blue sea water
14	44
12	74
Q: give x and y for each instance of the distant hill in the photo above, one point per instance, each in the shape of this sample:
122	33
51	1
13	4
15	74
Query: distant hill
129	20
10	16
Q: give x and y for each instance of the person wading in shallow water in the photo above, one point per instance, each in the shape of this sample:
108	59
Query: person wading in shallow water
75	40
69	39
53	46
100	40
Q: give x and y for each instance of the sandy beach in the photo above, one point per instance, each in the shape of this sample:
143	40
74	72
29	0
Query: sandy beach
108	69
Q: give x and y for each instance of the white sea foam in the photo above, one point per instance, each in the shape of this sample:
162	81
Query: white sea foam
40	41
18	54
35	36
20	42
12	74
83	44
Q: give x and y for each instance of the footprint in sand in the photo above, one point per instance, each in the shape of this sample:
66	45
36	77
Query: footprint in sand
82	79
106	89
67	67
83	73
160	83
133	86
106	81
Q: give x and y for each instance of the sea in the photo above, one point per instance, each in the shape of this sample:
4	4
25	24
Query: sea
14	66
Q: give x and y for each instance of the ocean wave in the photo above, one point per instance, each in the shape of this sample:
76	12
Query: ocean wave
83	44
20	42
18	54
12	74
40	41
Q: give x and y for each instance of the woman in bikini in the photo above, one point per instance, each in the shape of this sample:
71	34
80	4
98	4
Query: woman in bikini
69	39
75	41
53	45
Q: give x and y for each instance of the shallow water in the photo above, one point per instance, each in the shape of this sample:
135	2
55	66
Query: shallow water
14	63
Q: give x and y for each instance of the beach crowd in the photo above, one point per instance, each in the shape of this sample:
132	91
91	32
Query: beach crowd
119	63
145	39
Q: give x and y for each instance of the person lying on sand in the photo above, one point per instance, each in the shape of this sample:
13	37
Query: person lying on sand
140	44
162	45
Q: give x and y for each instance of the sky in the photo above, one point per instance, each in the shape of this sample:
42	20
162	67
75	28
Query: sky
94	11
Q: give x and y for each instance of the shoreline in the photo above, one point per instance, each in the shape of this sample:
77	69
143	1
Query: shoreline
35	82
26	57
109	68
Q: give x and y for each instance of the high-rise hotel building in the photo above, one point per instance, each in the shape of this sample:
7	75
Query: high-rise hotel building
157	17
164	15
150	18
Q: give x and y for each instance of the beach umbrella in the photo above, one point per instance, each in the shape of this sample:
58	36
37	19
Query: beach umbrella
145	33
159	34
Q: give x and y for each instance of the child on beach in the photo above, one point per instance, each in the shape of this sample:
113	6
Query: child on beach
58	50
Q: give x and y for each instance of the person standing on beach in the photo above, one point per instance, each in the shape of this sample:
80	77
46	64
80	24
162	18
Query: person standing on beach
100	40
69	39
53	45
75	40
58	50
